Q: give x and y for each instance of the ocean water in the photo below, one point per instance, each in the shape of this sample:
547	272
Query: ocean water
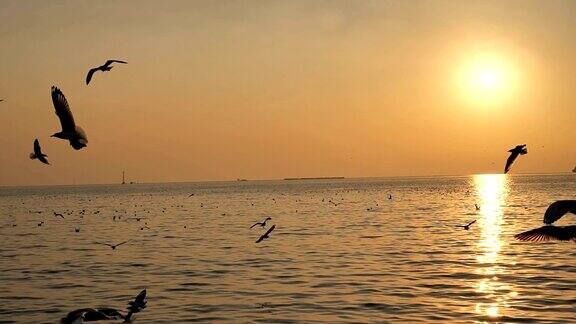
342	251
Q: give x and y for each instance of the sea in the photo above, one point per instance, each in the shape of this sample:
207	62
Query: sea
366	250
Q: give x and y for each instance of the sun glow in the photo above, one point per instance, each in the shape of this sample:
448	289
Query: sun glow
486	80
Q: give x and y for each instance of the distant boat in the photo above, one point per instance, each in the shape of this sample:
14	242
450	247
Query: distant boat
574	170
241	179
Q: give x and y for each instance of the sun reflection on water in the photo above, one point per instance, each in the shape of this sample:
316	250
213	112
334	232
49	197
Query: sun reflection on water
492	191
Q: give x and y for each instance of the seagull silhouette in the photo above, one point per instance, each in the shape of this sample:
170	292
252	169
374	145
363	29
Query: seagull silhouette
477	207
70	131
266	235
136	306
262	223
113	246
58	215
518	150
467	226
550	232
106	67
38	153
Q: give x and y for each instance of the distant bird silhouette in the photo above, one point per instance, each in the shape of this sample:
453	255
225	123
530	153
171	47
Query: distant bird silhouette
113	246
70	131
550	232
58	215
190	195
106	67
389	196
477	207
467	226
38	153
77	229
40	224
262	223
518	150
266	235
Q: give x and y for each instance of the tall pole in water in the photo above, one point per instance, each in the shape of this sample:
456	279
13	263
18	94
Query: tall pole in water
123	179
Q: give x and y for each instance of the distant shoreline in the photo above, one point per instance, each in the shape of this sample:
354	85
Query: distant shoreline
314	178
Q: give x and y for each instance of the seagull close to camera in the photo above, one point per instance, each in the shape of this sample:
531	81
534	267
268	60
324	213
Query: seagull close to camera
266	235
104	68
38	153
70	131
113	246
106	314
518	150
262	223
467	226
550	232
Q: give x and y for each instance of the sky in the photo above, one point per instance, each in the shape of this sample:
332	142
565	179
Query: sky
219	90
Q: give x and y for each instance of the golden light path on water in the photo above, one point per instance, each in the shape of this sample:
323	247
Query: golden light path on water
492	191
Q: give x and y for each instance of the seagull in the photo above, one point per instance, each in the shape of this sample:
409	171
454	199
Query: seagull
477	207
266	235
106	67
113	246
38	153
58	215
262	223
136	306
549	232
518	150
77	229
70	131
467	226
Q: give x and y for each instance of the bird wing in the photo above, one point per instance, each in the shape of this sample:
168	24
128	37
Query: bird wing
117	245
43	159
63	110
510	160
257	223
270	230
558	209
110	245
37	150
114	61
548	233
89	75
472	222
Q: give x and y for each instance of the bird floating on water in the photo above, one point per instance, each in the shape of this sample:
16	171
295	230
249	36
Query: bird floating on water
518	150
104	68
262	223
70	131
107	314
266	235
550	232
38	153
467	226
113	246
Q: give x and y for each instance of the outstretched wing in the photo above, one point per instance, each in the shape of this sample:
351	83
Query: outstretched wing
89	75
63	110
37	150
270	230
472	222
510	160
117	245
548	233
258	223
110	245
114	61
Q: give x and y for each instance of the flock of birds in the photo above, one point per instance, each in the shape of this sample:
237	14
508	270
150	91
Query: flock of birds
553	213
78	139
71	132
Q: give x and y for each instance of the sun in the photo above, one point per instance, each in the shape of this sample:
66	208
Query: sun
486	79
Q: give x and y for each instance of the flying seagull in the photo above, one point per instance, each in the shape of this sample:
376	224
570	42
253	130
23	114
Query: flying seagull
38	153
58	215
113	246
467	226
262	223
106	67
550	232
70	131
266	235
518	150
136	306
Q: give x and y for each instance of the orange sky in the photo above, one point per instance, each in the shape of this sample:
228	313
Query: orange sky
218	90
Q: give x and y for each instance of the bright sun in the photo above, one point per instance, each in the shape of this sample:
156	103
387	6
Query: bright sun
486	80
